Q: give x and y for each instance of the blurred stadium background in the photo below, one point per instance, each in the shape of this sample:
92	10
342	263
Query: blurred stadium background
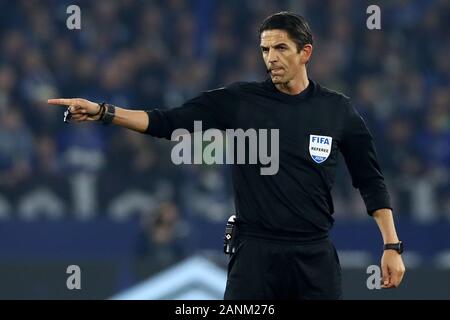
112	202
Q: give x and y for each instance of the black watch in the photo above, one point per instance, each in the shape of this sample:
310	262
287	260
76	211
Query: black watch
109	114
394	246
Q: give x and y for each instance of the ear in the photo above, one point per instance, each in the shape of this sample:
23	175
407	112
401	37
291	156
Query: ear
305	53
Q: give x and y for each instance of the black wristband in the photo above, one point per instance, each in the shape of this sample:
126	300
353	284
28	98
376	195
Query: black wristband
394	246
109	114
101	111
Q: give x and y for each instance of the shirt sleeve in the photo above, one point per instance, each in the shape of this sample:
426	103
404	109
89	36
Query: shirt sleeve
213	108
360	156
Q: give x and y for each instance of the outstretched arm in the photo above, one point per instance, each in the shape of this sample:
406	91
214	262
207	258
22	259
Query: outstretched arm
391	263
85	110
215	108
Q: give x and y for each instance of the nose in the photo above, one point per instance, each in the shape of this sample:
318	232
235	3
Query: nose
272	56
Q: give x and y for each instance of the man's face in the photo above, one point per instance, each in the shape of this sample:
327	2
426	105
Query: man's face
281	56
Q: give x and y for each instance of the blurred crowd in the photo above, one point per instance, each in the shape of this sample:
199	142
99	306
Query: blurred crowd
147	54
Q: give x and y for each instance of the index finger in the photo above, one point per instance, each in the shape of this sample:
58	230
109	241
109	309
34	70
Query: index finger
394	280
64	102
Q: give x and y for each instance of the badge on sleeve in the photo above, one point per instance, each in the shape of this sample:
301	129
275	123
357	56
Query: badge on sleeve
319	147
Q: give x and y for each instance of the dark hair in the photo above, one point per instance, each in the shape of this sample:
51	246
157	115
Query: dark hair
295	25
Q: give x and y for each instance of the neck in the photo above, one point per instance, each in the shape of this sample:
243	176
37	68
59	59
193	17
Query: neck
296	85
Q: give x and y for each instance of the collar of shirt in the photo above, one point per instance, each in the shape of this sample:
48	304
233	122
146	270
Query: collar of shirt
288	97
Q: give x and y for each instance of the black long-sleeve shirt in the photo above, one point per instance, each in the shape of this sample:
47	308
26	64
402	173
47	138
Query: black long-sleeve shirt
297	199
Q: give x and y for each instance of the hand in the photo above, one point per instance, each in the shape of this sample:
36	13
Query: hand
80	109
393	269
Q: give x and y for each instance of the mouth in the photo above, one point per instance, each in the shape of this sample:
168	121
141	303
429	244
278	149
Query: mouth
276	71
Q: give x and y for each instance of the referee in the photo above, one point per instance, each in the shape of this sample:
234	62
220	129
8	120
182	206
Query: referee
282	247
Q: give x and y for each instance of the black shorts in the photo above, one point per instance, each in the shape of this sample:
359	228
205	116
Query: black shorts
264	268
